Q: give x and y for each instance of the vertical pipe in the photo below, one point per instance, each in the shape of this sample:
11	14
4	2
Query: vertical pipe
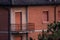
9	23
55	13
26	21
9	28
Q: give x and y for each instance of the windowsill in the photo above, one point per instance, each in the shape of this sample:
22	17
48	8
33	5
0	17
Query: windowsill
45	22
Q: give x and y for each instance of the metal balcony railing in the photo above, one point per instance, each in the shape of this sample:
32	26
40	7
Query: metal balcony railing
22	27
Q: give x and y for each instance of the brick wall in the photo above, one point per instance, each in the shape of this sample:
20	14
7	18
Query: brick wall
3	24
35	16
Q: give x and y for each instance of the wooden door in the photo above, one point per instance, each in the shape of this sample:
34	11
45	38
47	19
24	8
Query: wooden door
18	20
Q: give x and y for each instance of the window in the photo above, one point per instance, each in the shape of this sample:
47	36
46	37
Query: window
45	16
18	17
18	21
58	15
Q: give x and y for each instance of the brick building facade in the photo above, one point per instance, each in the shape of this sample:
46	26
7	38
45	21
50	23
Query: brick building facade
22	19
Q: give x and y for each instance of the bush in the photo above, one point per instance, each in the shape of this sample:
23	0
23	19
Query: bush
54	28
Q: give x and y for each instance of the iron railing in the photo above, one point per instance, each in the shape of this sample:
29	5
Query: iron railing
22	27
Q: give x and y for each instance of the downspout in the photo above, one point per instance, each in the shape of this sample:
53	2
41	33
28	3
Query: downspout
9	28
54	12
26	22
8	23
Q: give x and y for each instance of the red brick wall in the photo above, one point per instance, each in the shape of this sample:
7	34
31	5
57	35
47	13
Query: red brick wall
34	35
35	16
57	11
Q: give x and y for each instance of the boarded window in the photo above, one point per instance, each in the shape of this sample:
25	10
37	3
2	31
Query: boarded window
45	16
58	15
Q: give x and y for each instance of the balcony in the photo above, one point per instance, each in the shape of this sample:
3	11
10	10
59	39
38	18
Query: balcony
22	28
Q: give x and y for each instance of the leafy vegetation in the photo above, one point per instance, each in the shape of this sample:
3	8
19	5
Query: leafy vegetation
52	33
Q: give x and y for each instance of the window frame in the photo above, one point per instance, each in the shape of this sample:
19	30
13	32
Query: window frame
47	14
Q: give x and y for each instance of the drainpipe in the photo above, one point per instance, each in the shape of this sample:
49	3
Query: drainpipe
26	22
8	23
55	11
9	26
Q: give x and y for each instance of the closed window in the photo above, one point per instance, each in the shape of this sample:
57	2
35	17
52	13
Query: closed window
58	15
45	16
